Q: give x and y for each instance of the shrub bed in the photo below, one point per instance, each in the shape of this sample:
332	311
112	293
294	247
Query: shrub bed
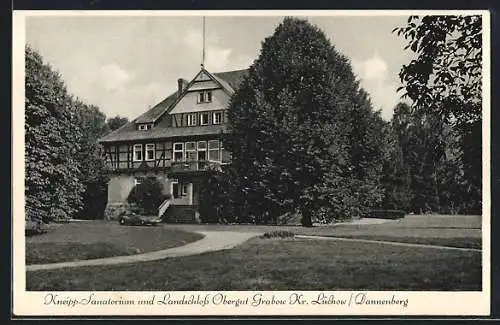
386	214
278	234
32	228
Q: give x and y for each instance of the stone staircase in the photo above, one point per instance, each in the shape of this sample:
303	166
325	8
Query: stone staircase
181	214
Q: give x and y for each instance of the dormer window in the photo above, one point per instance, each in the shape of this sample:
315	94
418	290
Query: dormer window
191	119
144	127
205	97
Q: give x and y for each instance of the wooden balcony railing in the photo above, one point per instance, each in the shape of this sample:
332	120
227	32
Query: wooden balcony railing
182	166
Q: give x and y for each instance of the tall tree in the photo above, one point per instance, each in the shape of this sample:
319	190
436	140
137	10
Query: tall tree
429	154
395	173
301	131
445	80
116	122
419	148
94	175
52	138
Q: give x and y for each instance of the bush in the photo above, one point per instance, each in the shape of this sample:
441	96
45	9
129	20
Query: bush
214	201
147	196
386	214
32	228
278	234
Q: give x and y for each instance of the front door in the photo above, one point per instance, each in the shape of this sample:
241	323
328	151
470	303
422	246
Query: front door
175	190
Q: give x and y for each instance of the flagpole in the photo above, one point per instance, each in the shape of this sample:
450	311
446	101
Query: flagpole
203	56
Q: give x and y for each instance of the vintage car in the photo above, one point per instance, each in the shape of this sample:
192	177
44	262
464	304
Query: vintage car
134	219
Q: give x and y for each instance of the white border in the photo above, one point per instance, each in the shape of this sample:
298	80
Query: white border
420	303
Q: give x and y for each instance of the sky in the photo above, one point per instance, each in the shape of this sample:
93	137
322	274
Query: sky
125	65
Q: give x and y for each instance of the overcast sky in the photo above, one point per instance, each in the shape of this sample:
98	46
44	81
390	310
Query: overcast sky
126	64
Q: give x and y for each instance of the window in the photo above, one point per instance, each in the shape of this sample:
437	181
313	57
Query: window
202	150
217	118
137	152
190	151
143	127
150	151
178	151
191	119
213	150
138	180
175	188
179	190
205	97
204	119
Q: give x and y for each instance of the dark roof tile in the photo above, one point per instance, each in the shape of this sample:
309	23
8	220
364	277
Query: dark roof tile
151	115
129	132
233	78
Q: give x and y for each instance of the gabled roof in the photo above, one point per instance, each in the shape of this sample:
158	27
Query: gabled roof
130	133
229	80
152	114
233	78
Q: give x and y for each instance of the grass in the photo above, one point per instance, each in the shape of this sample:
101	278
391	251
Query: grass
461	242
282	264
454	231
96	239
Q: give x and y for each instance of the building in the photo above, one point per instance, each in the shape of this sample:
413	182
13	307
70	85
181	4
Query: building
175	141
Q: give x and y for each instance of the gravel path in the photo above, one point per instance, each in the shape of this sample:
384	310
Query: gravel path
213	241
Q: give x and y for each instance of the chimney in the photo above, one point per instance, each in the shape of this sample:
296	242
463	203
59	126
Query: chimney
181	85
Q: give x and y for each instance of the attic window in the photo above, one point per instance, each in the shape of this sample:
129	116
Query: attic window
205	97
144	127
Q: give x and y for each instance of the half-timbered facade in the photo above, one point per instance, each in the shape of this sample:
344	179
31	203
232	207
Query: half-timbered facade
175	141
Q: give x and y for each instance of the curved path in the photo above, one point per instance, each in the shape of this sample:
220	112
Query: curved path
212	241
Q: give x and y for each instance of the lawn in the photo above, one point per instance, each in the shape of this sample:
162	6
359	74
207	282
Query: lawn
282	264
442	230
461	242
96	239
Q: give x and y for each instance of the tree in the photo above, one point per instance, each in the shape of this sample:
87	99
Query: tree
52	139
116	122
94	175
448	66
427	162
420	153
148	195
445	80
301	128
214	188
395	173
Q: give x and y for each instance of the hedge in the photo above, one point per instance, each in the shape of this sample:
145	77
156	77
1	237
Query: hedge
386	214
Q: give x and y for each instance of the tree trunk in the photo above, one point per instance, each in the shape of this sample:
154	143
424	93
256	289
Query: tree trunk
306	218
